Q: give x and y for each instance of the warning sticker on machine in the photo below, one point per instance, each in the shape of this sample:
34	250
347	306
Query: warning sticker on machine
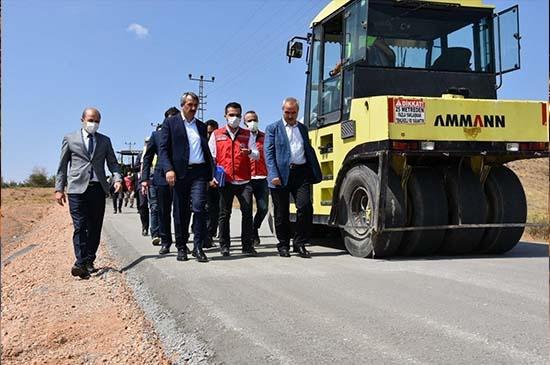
409	111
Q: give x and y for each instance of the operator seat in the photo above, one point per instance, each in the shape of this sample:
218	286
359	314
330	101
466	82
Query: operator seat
453	59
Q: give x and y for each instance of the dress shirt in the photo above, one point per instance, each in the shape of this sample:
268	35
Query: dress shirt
196	155
86	143
254	154
297	152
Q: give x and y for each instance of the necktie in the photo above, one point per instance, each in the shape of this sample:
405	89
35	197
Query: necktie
90	151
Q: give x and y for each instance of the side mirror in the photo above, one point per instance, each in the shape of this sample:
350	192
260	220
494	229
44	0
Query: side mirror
294	49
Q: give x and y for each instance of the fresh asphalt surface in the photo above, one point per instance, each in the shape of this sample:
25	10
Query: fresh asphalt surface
337	309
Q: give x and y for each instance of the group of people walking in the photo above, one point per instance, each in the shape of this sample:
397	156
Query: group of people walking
198	169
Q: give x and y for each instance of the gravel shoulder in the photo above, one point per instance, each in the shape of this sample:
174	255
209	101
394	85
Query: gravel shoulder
49	317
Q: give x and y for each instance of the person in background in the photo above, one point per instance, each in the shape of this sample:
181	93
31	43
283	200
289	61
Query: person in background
130	187
292	167
213	198
188	166
258	171
232	147
153	181
84	154
142	202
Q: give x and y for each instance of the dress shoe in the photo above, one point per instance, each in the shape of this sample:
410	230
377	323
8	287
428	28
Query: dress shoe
182	255
201	257
208	242
114	212
120	210
156	241
302	252
225	251
91	268
284	252
256	238
144	232
250	252
164	250
80	272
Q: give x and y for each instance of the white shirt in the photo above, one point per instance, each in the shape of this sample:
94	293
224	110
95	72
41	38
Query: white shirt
195	151
297	152
86	144
254	154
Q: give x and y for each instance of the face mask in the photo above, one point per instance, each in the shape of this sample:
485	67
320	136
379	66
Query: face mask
253	126
90	127
233	122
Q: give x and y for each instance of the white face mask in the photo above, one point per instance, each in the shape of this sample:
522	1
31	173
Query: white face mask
233	122
90	127
253	126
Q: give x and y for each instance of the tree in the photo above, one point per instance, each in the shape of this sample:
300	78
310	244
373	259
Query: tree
39	178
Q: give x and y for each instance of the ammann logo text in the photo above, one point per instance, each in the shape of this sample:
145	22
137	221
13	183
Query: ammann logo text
466	120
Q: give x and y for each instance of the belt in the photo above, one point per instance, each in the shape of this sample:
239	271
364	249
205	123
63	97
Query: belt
296	166
195	166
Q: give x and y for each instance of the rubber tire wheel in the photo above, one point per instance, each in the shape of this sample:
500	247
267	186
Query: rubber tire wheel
464	195
507	204
363	243
427	206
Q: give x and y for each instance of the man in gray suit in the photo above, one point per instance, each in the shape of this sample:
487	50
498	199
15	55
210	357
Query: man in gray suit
86	151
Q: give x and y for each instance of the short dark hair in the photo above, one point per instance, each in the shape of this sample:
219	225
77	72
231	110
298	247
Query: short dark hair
172	111
233	105
213	123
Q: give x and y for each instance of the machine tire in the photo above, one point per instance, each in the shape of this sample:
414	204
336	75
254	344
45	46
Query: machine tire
464	195
357	206
427	206
506	204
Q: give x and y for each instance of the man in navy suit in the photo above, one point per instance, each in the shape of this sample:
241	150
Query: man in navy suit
188	166
292	167
160	194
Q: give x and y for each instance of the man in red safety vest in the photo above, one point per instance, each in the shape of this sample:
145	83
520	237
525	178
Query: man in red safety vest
232	148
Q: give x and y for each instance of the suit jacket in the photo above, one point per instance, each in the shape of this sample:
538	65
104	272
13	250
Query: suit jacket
174	146
152	149
75	156
277	154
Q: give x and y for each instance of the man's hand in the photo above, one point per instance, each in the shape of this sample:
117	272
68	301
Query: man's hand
144	187
171	178
213	183
118	186
60	197
276	181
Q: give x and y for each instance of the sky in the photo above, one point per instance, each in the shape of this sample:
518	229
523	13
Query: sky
131	60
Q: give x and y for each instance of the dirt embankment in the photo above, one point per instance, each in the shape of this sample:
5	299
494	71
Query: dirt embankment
49	317
534	176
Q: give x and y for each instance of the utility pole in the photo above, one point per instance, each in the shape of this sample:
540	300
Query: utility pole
202	103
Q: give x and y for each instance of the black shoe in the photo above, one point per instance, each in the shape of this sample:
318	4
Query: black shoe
256	238
182	255
80	272
283	252
250	252
114	212
120	210
144	232
208	242
91	268
164	249
156	241
302	252
224	251
201	257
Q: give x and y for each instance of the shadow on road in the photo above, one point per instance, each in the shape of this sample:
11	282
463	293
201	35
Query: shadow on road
522	250
145	257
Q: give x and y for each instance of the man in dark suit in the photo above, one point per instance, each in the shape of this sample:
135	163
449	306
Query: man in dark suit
292	167
84	154
159	190
188	166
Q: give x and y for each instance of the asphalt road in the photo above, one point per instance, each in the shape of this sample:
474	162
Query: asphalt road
337	309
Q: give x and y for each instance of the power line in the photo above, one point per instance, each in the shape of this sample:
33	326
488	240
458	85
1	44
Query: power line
202	103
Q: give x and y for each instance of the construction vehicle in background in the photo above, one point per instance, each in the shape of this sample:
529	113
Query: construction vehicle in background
401	105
